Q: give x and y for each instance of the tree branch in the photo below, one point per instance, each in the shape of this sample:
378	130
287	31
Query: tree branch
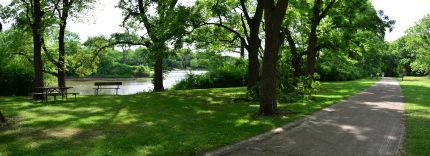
229	29
325	11
245	10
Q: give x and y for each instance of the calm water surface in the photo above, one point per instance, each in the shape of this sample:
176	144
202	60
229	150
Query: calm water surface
129	85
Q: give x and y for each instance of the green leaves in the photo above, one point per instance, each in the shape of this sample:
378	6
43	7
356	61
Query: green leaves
413	49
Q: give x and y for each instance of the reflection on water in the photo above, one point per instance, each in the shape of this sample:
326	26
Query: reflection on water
129	85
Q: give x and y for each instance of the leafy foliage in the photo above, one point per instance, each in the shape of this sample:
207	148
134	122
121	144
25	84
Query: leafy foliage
231	74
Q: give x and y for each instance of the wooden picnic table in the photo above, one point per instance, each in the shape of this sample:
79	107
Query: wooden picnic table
54	91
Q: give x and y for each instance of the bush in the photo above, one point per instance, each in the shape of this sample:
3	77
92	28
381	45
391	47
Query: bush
16	81
141	71
117	69
228	75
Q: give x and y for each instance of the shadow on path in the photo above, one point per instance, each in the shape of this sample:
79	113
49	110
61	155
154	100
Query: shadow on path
369	123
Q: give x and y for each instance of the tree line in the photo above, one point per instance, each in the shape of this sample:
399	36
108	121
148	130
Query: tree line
288	44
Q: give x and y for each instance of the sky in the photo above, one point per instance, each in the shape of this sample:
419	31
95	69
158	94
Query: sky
105	19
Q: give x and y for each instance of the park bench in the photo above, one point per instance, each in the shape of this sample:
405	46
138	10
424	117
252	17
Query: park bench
99	84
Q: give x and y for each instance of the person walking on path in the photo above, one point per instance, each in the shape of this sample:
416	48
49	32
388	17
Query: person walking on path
368	123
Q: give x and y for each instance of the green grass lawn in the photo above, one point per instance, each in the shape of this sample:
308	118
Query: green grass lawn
416	91
169	123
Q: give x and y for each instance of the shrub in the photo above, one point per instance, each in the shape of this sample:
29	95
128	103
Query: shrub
16	81
141	71
228	75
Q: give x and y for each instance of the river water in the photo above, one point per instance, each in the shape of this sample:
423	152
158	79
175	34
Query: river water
129	85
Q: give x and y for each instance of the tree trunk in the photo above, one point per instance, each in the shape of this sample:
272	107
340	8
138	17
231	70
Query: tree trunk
242	50
312	42
2	118
295	56
312	51
253	48
274	15
37	48
124	54
158	74
61	76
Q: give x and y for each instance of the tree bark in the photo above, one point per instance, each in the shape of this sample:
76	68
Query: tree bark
242	50
158	74
61	76
37	47
254	43
2	118
312	41
318	15
274	14
296	58
61	72
312	51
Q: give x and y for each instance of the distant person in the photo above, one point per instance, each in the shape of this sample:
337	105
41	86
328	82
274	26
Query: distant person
382	74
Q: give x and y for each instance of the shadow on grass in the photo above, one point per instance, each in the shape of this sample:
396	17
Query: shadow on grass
169	123
417	115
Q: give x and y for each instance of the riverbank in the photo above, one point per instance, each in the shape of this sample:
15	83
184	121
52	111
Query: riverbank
130	78
176	122
84	86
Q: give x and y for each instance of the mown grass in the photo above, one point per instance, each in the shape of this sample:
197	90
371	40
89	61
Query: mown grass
183	122
416	91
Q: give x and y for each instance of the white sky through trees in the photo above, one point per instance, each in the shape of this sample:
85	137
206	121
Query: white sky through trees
105	18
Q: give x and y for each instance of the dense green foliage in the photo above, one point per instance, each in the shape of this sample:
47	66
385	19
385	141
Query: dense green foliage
231	74
15	76
170	123
410	54
416	90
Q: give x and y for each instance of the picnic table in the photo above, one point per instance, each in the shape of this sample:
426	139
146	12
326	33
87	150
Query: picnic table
54	91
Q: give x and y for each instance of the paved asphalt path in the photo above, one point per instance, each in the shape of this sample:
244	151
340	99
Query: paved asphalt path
367	124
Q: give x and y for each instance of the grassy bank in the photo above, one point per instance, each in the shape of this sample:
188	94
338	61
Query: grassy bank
416	91
183	122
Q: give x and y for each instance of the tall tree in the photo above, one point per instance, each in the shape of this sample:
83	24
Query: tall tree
29	14
35	21
274	13
319	12
166	26
242	19
62	9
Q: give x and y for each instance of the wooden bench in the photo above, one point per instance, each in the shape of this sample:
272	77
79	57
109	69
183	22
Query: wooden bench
98	84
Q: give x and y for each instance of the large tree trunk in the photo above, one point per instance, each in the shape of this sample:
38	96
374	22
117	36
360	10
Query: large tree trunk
61	76
37	48
253	65
2	118
274	14
253	47
318	15
312	51
158	74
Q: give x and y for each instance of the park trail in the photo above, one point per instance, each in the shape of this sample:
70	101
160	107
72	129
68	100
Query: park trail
369	123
